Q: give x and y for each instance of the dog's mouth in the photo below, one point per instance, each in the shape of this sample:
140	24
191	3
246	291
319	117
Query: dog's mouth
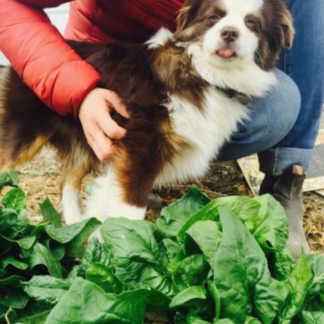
226	53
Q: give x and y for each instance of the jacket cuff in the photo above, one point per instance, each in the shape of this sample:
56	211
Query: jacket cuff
74	81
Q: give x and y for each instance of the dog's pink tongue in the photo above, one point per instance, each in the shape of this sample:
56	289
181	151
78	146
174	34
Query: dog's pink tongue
225	53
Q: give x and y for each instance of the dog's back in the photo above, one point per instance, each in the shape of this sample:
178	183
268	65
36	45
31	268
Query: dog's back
26	124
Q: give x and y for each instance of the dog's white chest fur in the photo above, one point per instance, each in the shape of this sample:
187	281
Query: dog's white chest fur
205	130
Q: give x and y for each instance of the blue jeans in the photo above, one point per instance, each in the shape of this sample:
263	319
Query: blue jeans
284	124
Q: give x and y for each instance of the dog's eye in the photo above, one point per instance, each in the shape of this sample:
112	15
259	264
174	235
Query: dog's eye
252	23
215	17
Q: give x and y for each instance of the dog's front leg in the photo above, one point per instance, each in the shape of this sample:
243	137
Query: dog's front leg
72	175
110	198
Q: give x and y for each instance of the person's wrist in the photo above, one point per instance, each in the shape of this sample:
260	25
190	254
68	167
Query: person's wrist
82	98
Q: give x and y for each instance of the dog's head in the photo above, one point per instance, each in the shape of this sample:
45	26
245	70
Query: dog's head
236	31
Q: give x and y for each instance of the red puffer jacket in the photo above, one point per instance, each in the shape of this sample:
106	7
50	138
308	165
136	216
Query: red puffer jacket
48	65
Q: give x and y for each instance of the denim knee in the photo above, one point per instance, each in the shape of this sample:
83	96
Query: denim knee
271	118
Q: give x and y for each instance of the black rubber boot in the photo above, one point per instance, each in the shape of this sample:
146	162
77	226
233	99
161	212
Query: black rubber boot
287	189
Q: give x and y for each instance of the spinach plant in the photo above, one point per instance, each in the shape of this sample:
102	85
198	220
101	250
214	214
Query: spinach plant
220	261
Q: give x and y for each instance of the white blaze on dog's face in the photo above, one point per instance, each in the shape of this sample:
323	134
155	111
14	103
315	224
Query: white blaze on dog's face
231	37
232	32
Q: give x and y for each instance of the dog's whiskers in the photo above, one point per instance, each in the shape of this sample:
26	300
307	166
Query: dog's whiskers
259	57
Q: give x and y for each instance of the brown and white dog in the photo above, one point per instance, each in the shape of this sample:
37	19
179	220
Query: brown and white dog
185	92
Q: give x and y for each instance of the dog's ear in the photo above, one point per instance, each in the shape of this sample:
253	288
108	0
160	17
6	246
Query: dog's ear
184	19
286	31
278	33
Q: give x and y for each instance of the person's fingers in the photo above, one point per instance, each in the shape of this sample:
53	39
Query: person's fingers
101	145
109	127
116	103
98	125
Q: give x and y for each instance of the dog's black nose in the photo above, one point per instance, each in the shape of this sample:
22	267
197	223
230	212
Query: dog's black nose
229	34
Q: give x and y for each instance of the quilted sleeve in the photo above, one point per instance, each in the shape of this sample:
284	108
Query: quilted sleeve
46	63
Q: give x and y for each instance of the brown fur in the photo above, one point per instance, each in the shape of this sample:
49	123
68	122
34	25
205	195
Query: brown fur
173	68
26	124
277	24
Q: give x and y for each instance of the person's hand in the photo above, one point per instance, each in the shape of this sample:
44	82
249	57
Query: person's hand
98	126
